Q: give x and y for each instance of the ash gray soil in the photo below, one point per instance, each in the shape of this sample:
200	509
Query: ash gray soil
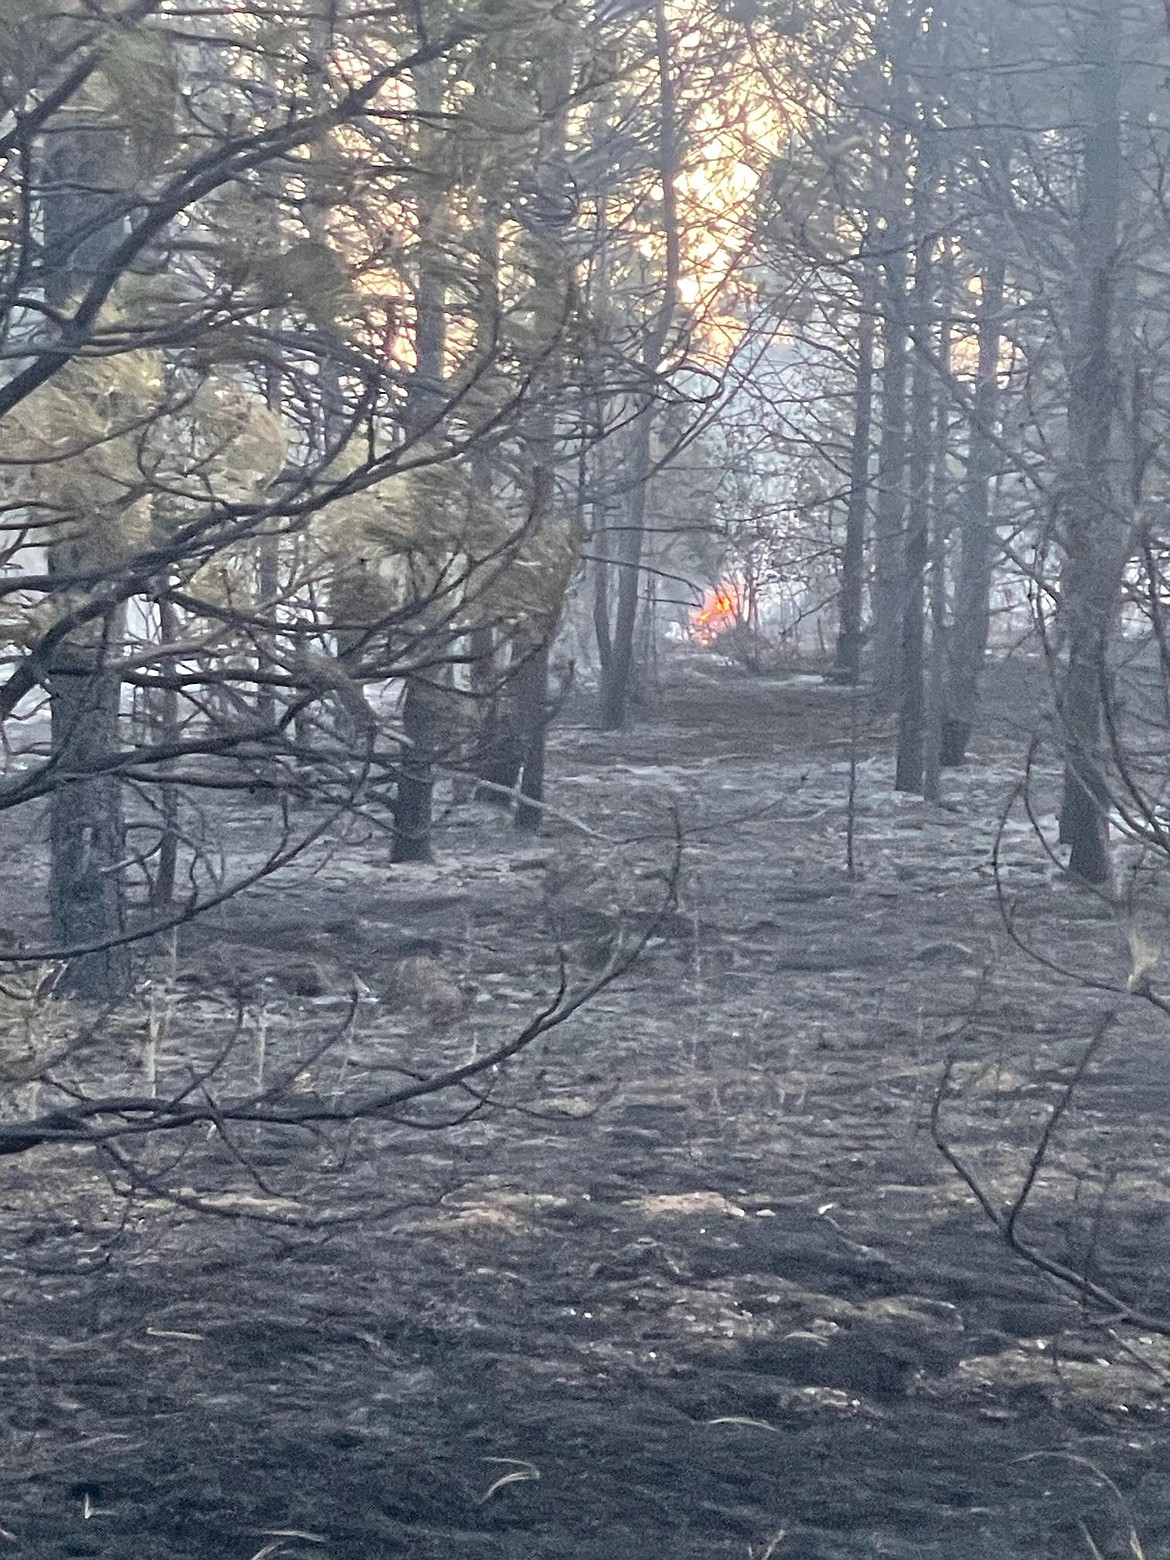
699	1285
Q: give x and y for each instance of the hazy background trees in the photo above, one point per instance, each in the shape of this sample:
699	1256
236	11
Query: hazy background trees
968	198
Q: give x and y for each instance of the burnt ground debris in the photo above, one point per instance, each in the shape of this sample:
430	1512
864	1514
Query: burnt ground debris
704	1285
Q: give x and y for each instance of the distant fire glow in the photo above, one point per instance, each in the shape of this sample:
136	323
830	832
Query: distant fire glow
719	612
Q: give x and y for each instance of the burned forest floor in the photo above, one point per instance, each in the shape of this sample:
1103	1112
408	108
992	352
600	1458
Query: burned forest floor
696	1281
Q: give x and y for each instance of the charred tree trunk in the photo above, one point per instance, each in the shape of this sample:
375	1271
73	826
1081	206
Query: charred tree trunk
600	543
920	451
847	666
601	603
530	693
618	675
939	536
484	680
972	616
499	755
1094	549
533	710
617	681
889	538
482	653
531	686
162	888
414	792
912	643
489	763
82	225
86	828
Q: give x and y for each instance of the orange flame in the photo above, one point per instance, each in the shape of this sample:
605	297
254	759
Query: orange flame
719	612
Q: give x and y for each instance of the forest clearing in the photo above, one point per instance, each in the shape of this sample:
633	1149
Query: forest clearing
703	1278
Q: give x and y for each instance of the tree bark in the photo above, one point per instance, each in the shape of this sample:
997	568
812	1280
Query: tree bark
86	828
939	537
531	690
618	674
86	819
500	754
617	680
889	540
919	460
890	509
1094	524
162	888
972	613
533	711
600	541
847	664
414	792
530	694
